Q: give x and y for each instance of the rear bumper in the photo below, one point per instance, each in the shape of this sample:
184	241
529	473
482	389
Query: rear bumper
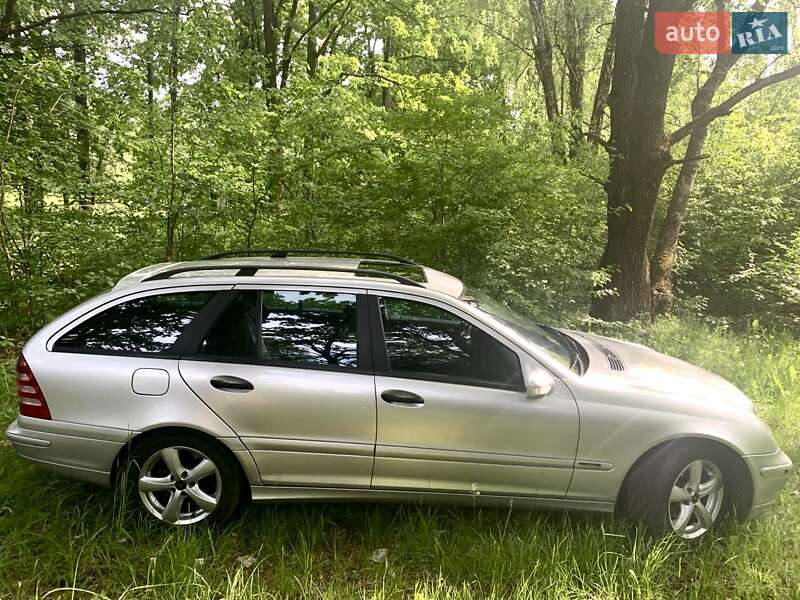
76	451
770	472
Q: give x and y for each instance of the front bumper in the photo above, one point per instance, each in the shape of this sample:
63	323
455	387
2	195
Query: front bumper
769	472
76	451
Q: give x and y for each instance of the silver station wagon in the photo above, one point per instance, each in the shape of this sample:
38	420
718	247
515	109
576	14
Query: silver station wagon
282	375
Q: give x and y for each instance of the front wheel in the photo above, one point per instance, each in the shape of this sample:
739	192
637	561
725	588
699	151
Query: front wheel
688	491
696	499
185	479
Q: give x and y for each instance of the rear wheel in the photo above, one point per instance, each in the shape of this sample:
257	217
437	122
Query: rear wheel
185	479
686	490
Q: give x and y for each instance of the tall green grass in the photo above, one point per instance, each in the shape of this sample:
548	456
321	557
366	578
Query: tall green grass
63	539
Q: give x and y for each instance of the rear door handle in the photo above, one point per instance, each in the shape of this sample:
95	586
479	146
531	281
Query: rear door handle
402	397
229	383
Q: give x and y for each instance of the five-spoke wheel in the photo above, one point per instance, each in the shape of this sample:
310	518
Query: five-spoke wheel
184	479
180	485
687	488
696	499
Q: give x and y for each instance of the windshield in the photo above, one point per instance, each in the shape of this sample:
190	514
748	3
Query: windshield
556	344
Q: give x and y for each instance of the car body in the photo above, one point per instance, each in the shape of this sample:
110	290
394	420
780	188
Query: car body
347	378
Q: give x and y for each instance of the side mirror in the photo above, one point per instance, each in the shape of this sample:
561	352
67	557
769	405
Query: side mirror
539	383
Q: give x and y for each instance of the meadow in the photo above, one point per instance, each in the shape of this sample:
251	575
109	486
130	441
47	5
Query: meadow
63	539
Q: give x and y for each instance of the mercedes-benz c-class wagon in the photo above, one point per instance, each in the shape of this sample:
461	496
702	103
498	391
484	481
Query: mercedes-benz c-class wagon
285	376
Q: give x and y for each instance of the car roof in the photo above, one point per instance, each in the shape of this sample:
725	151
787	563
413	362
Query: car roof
301	269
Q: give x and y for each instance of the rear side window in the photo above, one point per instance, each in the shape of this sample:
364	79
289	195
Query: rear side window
149	325
287	327
426	341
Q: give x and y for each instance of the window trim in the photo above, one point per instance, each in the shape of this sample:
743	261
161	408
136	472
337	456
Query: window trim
381	355
363	339
100	352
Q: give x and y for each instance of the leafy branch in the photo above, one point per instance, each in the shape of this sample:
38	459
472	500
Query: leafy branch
724	108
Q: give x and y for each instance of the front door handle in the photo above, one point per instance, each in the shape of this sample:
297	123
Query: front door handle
229	383
402	397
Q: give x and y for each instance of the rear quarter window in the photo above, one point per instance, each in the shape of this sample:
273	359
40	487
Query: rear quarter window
149	325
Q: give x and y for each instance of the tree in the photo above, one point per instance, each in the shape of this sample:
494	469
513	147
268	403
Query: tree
697	130
603	88
664	255
83	135
9	14
173	207
543	56
571	23
639	155
417	127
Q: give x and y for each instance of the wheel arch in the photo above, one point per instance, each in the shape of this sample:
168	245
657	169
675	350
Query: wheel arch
735	467
124	454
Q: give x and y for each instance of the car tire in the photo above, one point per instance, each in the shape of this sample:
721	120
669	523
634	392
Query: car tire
182	479
685	489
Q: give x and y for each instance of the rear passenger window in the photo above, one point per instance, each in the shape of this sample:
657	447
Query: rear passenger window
312	328
148	325
289	327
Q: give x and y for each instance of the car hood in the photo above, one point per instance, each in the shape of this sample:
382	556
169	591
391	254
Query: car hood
644	369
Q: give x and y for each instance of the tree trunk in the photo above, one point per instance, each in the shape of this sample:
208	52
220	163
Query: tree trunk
149	78
312	55
172	209
386	92
603	87
576	23
543	57
149	72
575	58
664	256
254	212
270	44
6	19
82	134
286	47
639	155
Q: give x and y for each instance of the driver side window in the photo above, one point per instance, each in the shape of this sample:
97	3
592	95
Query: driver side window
425	341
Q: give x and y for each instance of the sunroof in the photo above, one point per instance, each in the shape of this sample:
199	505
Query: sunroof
412	272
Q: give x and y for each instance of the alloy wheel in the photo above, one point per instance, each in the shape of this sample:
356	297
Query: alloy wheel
695	500
179	485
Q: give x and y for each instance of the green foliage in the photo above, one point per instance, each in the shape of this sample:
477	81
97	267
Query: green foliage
741	244
420	132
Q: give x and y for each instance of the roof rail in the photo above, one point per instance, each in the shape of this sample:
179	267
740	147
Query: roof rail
281	253
246	270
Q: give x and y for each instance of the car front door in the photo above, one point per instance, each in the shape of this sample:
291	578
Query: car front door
289	370
453	413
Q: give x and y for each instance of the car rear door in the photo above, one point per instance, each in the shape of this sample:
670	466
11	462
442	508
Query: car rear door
115	367
290	370
453	413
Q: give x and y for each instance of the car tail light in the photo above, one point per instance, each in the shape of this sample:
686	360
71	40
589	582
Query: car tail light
31	398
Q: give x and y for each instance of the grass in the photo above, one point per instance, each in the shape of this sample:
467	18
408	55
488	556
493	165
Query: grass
63	539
